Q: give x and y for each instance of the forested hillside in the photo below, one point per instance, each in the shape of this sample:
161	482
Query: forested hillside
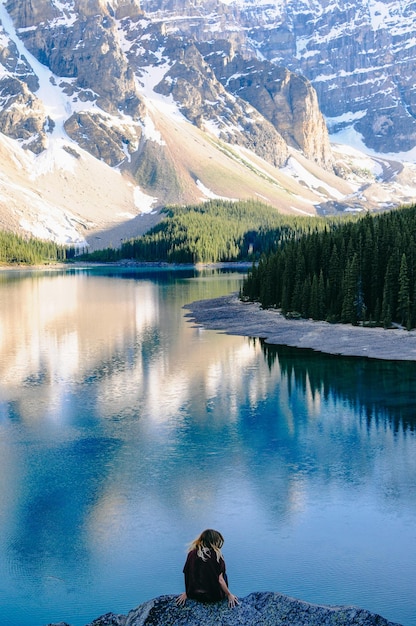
213	232
362	271
17	250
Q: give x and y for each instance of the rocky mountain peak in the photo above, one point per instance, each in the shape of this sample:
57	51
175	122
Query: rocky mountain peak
359	57
183	100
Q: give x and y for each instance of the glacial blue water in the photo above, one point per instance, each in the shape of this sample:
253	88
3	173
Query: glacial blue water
125	430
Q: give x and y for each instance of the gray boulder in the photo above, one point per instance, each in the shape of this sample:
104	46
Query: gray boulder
257	609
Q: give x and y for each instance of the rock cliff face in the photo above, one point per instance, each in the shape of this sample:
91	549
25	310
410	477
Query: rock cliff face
360	59
257	609
23	117
285	99
80	42
96	50
358	56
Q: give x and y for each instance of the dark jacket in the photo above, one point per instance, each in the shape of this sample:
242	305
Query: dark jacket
201	577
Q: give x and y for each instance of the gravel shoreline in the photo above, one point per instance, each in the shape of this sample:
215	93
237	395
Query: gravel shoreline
232	316
123	264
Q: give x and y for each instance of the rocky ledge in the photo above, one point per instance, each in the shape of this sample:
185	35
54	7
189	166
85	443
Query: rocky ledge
257	609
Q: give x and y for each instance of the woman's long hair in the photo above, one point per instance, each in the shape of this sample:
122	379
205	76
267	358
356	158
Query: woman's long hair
207	540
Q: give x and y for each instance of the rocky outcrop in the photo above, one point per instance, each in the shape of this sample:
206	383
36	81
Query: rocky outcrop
96	134
22	115
206	103
26	14
285	99
257	609
16	66
81	45
128	9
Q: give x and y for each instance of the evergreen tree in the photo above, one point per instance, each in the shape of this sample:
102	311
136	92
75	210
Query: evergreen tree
389	293
403	299
350	285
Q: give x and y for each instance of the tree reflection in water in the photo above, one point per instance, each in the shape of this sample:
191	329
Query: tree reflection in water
377	389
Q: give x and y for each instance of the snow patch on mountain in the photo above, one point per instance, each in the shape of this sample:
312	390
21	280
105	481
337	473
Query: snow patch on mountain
298	172
349	137
52	159
150	77
210	195
143	202
53	224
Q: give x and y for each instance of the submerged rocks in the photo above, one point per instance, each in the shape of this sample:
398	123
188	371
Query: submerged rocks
257	609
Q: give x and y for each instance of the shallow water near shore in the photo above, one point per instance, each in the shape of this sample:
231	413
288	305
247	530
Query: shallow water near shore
125	430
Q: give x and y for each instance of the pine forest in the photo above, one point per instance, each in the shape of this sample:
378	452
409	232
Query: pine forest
362	271
216	231
16	250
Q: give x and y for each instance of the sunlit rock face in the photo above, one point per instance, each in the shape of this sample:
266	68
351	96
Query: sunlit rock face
285	99
193	84
79	41
257	609
24	118
359	57
97	51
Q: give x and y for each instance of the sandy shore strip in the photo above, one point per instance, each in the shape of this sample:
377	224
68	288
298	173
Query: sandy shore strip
228	314
123	264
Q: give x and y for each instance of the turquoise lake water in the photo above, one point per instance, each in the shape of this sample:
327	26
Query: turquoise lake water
125	430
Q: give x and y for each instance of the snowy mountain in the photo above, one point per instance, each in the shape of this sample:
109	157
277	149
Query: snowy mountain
110	109
358	54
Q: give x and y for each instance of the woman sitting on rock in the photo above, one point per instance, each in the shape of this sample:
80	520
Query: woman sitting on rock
204	570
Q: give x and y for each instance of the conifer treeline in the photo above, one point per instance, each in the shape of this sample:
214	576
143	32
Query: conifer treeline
361	271
212	232
15	249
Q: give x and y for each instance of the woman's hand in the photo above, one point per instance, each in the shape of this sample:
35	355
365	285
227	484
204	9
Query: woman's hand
232	600
180	600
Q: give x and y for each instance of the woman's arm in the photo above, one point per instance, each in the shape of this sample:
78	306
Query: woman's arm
187	569
232	599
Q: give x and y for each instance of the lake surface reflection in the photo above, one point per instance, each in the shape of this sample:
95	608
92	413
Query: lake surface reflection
125	430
